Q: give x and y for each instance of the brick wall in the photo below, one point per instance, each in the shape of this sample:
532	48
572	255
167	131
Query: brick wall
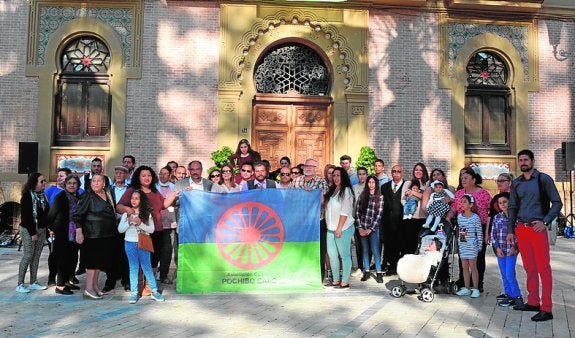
409	118
172	113
18	93
551	115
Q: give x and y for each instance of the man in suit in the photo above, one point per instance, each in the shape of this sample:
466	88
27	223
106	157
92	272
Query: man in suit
260	181
392	217
195	181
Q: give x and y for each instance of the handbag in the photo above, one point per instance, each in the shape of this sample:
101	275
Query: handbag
145	242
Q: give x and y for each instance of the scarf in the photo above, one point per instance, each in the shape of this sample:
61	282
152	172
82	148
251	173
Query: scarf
39	202
73	206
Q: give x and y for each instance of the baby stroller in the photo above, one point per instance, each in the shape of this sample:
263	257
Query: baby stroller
423	269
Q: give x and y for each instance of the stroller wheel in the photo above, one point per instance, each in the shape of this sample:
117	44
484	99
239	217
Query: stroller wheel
453	288
398	291
427	295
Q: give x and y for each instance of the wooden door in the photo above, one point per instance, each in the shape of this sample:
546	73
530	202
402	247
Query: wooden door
297	127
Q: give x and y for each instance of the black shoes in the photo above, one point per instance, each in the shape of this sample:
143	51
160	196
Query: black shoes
107	289
379	277
64	291
365	276
80	271
72	287
542	316
526	307
74	280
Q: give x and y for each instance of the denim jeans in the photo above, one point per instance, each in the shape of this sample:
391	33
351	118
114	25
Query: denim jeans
409	207
371	241
340	247
507	268
139	258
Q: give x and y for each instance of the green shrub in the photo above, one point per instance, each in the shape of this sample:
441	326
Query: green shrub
366	159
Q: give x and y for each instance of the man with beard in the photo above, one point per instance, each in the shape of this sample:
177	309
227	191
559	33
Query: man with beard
260	181
529	217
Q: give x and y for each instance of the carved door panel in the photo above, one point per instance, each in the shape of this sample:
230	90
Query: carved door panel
294	127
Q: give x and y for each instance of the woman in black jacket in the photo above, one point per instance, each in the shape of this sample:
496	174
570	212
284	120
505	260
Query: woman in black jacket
33	224
96	227
64	229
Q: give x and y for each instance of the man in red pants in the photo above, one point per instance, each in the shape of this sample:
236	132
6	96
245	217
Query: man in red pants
529	216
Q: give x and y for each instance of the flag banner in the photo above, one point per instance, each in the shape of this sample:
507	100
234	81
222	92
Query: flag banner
249	241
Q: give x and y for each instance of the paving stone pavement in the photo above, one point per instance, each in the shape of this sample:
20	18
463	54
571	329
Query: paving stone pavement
365	310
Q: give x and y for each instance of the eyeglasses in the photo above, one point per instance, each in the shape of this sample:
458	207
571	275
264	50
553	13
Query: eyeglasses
246	171
214	175
285	174
226	171
501	181
396	171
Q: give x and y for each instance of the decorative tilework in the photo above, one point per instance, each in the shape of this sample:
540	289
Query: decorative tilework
459	33
53	17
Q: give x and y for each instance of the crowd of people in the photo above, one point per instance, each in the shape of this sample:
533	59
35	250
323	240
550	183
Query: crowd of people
368	222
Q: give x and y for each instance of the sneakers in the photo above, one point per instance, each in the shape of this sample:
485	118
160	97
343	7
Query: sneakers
356	272
365	276
463	292
22	289
475	293
35	286
379	277
157	297
425	226
133	298
501	297
511	301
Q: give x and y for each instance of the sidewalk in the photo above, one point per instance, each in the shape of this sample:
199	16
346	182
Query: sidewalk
366	309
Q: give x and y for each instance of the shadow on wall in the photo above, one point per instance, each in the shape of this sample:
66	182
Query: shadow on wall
406	91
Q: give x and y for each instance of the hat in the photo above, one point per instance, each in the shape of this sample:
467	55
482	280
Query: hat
122	168
437	182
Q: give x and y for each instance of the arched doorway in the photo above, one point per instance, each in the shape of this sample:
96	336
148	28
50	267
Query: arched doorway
292	109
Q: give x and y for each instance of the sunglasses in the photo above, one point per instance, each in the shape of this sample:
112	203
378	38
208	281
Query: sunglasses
285	174
396	171
246	171
43	181
214	175
295	172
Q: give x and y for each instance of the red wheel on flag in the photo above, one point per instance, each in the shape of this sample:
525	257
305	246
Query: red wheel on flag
249	235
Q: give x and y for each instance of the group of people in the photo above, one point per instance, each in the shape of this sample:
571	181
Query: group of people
384	216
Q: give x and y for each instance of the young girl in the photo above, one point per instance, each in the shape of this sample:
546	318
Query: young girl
140	221
506	253
436	207
470	240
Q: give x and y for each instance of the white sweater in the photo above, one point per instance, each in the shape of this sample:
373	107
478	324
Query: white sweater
132	230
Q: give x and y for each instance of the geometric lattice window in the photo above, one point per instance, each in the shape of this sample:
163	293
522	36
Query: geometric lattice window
292	68
85	54
486	69
82	113
488	117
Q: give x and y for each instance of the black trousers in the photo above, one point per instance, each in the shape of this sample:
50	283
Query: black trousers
392	239
119	268
65	256
168	239
410	233
322	246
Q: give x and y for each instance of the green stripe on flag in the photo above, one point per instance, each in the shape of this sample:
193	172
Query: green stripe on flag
202	268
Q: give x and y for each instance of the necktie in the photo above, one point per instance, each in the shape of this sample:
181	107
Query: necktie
394	188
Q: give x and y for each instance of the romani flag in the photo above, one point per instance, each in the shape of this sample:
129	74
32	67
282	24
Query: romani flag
254	240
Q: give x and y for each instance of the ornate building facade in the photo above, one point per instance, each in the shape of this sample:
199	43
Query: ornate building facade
446	83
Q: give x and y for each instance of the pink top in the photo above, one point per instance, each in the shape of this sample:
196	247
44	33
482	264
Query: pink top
482	200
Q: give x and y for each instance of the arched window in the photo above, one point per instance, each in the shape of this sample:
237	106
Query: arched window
487	110
83	102
292	68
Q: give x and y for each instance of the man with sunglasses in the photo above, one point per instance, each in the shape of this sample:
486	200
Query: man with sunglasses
285	178
246	173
